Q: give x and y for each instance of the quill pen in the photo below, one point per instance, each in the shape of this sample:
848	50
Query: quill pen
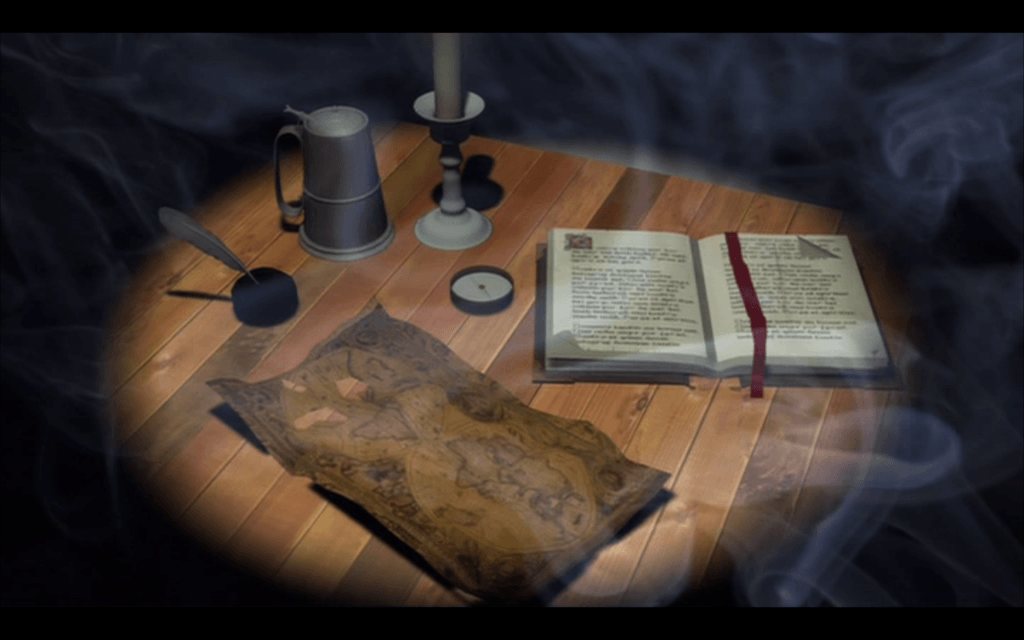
195	234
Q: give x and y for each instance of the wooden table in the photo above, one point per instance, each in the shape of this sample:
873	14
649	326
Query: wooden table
743	470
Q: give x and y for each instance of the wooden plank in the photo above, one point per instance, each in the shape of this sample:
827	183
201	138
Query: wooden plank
380	577
439	254
688	527
364	278
177	421
268	536
165	317
662	440
513	366
848	432
401	294
349	292
677	204
429	593
682	537
229	499
177	483
628	203
588	188
278	526
757	520
252	225
574	205
166	434
173	260
326	552
527	208
617	410
163	374
665	434
829	454
556	172
429	270
720	210
567	401
467	343
668	425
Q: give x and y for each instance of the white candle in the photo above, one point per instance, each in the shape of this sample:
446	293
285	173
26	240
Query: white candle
448	76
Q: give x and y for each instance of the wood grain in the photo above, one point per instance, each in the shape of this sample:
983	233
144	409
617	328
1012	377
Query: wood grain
421	270
246	218
181	356
578	201
177	421
745	473
681	545
757	522
439	258
607	580
348	292
627	204
211	323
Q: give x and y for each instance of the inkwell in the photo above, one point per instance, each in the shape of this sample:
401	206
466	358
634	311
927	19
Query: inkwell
263	297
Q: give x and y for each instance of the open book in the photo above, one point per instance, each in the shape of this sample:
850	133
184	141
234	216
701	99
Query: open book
637	306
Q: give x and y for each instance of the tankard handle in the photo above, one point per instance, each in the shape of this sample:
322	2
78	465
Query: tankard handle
288	210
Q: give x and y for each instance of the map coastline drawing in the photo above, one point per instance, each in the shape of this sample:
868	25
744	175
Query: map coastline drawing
501	499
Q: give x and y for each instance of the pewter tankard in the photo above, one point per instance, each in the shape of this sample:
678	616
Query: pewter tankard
342	201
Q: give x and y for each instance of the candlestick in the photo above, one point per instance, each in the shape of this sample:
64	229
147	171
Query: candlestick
448	76
453	226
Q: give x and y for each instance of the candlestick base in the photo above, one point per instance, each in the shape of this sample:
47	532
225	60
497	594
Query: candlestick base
465	230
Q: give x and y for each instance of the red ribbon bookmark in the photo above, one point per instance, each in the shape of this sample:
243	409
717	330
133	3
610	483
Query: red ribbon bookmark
758	326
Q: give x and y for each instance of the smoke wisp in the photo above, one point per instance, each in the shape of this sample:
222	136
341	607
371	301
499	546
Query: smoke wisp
917	136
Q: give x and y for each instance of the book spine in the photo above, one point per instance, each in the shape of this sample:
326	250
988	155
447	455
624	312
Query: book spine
702	299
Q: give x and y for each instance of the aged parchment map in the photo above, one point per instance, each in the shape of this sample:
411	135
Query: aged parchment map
499	498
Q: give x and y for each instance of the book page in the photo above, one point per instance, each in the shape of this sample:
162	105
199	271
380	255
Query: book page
622	294
812	296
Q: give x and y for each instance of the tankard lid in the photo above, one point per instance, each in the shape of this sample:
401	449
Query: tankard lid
337	121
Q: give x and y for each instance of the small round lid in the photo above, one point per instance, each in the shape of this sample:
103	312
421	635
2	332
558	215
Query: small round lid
482	290
337	121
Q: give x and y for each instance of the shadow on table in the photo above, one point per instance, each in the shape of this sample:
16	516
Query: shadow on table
234	421
228	416
374	527
570	576
478	190
364	518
